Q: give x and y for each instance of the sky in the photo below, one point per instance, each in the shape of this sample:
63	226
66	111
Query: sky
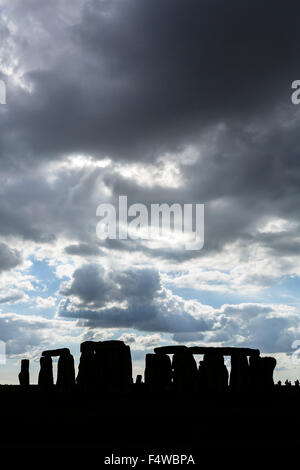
172	101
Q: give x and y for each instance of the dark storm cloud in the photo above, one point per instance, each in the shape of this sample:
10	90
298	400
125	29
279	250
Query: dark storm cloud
245	176
147	306
24	333
89	284
140	317
83	249
130	80
36	207
9	258
138	77
134	78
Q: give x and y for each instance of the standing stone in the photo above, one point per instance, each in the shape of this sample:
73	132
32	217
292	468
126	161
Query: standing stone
86	378
213	373
240	373
138	379
185	372
65	371
88	346
45	379
24	374
254	372
261	372
158	371
268	365
114	366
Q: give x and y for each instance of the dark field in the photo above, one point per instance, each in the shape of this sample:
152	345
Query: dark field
139	422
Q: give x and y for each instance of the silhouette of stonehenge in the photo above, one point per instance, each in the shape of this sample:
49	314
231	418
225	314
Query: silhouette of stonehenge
65	369
212	375
107	366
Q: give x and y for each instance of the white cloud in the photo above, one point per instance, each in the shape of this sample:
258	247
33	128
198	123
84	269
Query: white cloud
24	335
45	302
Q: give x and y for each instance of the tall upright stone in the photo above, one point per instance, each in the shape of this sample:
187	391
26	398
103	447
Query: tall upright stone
24	374
45	379
65	371
240	373
261	373
185	374
87	371
268	365
138	380
158	371
114	365
213	373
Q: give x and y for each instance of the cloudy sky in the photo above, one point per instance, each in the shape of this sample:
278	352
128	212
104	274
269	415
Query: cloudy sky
173	101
